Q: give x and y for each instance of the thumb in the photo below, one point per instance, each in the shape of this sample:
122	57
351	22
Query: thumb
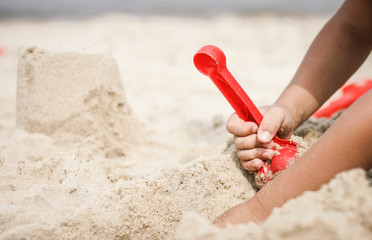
271	123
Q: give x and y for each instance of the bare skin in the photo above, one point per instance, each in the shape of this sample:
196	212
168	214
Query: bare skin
336	53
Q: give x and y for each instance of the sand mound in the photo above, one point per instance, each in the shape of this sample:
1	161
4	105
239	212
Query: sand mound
79	165
341	209
68	196
313	128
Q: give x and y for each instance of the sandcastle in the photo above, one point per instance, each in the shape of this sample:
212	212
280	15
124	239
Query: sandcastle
67	89
75	96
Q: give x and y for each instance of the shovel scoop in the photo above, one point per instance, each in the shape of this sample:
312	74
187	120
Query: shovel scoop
211	61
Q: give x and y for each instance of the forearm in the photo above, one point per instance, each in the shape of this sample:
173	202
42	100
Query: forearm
346	145
336	53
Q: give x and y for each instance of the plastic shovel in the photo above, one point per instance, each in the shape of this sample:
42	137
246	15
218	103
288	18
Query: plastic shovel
211	61
349	94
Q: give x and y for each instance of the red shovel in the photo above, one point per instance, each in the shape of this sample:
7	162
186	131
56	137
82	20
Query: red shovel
211	61
349	94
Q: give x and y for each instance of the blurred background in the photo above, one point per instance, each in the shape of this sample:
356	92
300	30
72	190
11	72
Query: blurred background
153	42
77	8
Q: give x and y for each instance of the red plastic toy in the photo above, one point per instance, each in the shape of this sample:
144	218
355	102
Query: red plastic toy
2	50
349	93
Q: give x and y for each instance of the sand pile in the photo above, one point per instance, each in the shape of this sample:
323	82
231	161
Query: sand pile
71	197
81	165
59	180
341	209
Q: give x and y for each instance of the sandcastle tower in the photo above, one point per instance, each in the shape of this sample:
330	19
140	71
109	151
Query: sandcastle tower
73	96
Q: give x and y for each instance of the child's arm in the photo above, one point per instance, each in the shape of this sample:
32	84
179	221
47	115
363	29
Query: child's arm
339	49
346	145
336	53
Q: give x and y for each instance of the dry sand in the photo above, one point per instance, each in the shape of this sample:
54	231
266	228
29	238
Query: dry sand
136	149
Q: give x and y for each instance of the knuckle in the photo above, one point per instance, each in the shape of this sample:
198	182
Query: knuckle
267	124
256	153
245	155
248	166
239	154
252	165
239	143
242	156
248	151
242	163
229	127
245	143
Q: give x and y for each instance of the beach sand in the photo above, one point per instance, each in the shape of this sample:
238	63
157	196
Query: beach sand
115	135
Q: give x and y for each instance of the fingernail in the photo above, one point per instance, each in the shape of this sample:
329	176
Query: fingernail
254	129
264	136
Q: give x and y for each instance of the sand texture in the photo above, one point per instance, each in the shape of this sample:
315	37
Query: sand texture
341	209
107	131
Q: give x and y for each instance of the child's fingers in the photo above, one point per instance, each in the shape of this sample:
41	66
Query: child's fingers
238	127
252	165
260	153
248	142
271	123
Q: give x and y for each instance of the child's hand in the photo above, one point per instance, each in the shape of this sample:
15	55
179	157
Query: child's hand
250	211
254	144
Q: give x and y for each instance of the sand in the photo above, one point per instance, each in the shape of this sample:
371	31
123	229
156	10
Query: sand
128	141
339	210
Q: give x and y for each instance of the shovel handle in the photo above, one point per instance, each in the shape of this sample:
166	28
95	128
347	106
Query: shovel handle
211	61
